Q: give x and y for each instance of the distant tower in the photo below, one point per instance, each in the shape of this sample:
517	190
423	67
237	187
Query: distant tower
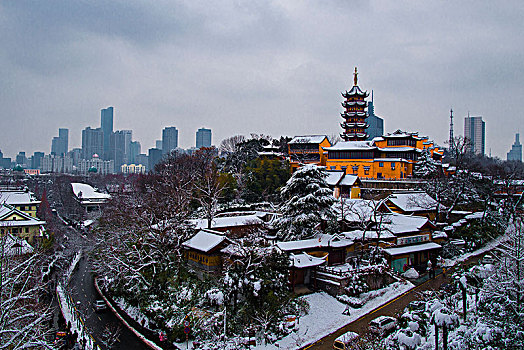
106	123
203	138
475	132
376	124
354	124
516	150
451	137
169	139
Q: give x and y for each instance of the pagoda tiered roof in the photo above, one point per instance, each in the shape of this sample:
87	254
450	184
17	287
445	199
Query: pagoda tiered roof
347	104
354	125
351	114
355	91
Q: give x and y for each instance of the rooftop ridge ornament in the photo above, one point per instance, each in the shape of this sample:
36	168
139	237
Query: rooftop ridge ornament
355	77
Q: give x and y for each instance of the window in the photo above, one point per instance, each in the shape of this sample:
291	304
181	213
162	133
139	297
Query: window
392	165
381	164
27	230
379	175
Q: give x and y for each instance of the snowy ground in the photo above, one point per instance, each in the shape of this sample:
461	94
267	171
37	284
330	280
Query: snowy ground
325	315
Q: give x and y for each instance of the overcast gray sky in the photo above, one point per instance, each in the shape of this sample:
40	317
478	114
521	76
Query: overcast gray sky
272	67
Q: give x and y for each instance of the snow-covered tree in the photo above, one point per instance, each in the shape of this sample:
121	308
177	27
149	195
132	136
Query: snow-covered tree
426	166
308	202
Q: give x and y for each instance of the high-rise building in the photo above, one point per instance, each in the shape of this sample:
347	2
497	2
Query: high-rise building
21	159
475	132
97	166
134	151
36	160
158	144
376	124
142	159
169	139
154	156
92	142
106	123
120	147
203	138
60	144
516	150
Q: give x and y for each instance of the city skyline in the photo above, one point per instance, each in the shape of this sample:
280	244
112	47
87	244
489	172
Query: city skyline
275	69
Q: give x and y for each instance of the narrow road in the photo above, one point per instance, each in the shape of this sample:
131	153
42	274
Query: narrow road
98	324
392	308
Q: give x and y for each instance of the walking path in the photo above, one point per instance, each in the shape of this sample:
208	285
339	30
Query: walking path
393	307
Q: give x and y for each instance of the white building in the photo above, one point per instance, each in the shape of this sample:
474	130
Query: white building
133	169
97	165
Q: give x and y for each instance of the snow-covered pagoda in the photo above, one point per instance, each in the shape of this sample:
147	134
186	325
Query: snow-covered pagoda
355	115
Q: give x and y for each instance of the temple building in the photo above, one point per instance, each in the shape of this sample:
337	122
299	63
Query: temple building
391	156
355	115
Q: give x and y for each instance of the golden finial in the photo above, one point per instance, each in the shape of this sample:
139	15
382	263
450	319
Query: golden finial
355	77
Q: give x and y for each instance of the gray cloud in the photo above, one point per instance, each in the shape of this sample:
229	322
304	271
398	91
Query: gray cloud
255	66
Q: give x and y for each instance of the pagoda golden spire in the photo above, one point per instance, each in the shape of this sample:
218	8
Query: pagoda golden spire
355	77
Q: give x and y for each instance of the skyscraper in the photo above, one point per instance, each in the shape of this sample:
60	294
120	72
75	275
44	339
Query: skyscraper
60	144
475	132
516	150
169	139
120	144
154	156
92	142
134	151
376	124
203	138
106	123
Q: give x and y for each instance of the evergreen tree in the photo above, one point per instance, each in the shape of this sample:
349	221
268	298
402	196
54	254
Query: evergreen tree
308	202
426	166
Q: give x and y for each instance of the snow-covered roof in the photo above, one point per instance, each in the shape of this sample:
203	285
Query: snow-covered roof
351	145
303	260
413	202
348	180
229	221
205	240
357	210
368	235
399	223
308	139
17	197
402	134
87	192
16	246
398	149
333	177
412	248
475	216
7	210
439	234
322	241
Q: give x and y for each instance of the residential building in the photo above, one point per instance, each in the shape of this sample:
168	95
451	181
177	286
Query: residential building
106	123
154	156
57	164
76	155
203	138
92	142
475	132
516	150
169	139
142	159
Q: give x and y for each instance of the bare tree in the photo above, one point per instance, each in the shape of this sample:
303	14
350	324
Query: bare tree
23	315
230	144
